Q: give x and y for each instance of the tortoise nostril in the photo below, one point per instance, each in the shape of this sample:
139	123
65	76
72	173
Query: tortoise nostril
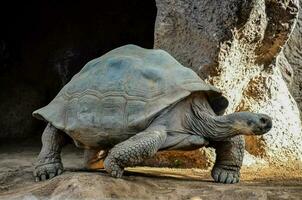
263	120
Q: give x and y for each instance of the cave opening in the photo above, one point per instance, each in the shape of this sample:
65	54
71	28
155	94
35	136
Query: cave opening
44	43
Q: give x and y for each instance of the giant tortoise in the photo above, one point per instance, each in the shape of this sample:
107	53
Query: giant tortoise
131	103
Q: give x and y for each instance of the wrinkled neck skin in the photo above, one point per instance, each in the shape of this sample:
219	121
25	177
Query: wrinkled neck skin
201	120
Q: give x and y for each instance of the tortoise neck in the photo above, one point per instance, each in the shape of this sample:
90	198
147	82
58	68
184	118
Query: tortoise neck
203	121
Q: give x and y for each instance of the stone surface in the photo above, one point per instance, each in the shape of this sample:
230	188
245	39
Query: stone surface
293	55
17	182
191	31
234	45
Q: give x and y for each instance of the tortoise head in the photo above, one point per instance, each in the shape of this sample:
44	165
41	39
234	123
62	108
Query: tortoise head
248	123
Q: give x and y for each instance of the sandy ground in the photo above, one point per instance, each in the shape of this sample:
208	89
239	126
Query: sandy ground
16	181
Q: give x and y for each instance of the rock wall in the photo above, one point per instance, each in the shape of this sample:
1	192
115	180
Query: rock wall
234	45
293	56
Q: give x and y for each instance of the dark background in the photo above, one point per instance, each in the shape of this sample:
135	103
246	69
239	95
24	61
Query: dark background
44	43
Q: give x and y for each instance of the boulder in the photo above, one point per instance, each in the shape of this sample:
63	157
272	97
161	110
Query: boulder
234	45
293	55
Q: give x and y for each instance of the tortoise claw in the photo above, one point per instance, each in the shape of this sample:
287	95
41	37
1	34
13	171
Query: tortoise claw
47	171
222	174
113	168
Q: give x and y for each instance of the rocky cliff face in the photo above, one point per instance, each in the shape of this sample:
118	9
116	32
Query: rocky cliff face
235	45
293	56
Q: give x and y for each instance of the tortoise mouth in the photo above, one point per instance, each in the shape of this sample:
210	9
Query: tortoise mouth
254	131
261	130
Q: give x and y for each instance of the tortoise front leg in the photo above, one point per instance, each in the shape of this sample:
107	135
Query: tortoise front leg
49	162
229	157
133	151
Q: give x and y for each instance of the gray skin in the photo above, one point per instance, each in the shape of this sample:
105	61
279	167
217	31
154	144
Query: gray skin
187	125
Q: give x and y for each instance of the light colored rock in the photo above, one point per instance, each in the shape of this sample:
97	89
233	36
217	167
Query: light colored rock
285	68
234	45
259	88
293	54
283	143
253	161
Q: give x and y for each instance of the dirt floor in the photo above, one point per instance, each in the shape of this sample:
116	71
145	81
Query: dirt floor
16	181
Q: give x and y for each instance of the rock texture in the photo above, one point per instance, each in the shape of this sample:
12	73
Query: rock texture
293	56
17	182
234	45
79	185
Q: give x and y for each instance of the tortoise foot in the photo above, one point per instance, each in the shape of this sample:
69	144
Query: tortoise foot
46	171
113	168
226	174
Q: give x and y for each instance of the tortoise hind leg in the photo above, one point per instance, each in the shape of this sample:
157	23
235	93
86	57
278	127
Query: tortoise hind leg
49	162
93	158
133	151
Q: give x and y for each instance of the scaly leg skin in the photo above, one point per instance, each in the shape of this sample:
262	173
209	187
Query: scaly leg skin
229	157
133	151
49	163
93	158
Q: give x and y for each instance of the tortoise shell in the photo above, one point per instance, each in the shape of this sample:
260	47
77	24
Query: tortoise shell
122	92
